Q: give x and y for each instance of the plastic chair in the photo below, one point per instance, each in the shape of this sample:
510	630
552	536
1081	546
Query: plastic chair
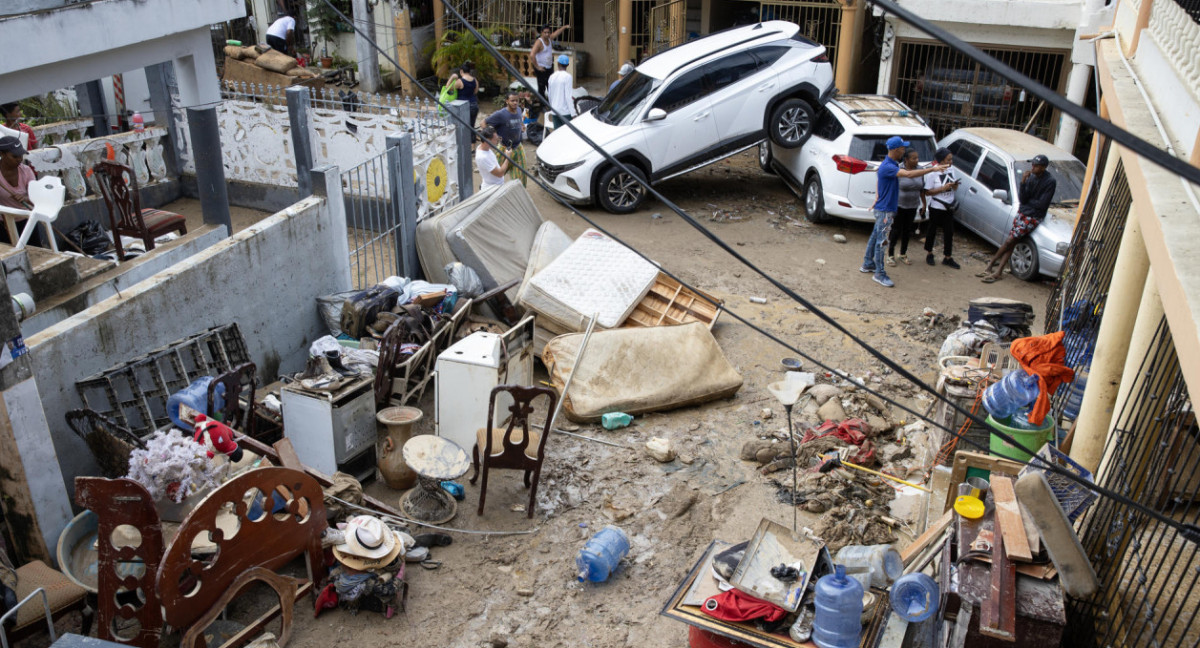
505	450
118	185
48	195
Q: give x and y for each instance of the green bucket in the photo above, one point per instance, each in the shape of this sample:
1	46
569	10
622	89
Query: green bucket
1032	439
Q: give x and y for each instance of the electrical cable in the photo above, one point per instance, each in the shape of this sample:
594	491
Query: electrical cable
1189	531
386	516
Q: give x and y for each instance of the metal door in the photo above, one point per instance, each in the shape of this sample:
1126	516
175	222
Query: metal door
819	20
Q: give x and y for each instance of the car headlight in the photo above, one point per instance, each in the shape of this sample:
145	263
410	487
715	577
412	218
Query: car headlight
1062	248
552	171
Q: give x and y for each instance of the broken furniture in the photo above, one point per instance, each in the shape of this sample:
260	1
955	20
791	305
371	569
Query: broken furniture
670	302
109	442
44	595
235	414
134	393
516	445
435	460
333	431
118	185
467	372
401	378
279	514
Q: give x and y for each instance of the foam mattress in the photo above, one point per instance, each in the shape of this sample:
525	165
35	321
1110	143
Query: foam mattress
594	275
433	251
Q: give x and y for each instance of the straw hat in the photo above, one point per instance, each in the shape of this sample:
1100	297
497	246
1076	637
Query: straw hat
369	544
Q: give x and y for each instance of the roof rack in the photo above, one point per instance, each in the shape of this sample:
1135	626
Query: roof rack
903	111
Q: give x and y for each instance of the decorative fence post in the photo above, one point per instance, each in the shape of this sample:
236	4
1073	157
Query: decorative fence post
160	103
298	103
404	200
462	140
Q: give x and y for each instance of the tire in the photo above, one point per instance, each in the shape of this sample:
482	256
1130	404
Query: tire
1024	260
764	157
814	200
791	123
619	193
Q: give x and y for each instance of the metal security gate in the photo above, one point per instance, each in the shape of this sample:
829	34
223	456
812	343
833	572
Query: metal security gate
668	25
374	222
521	19
951	91
819	21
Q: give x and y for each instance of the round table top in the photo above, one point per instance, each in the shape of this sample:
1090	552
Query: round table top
435	457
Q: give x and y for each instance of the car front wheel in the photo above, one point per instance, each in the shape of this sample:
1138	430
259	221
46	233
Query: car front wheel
814	200
791	123
621	192
1024	260
764	157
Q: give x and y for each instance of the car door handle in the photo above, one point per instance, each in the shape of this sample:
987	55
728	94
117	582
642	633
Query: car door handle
972	190
766	86
700	116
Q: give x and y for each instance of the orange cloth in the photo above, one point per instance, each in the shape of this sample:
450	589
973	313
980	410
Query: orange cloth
1043	356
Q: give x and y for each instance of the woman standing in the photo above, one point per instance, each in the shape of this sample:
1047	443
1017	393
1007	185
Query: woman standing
468	90
911	200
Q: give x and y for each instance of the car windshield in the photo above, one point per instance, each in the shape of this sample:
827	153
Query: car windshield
873	148
625	99
1068	176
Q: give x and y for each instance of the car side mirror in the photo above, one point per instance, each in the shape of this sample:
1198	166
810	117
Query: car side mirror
1001	195
656	114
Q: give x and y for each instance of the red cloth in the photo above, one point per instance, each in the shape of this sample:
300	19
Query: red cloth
328	599
734	605
852	431
1043	356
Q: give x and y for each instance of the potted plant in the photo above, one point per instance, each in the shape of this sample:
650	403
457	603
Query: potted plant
323	26
460	45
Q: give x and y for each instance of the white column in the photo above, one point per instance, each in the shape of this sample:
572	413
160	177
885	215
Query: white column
365	53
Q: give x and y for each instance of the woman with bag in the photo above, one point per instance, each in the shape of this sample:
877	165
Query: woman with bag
466	87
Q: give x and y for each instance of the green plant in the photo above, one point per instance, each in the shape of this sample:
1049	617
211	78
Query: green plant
323	22
46	109
459	46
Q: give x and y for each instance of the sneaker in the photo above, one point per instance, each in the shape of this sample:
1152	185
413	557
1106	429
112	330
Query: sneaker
883	280
904	259
866	270
949	261
929	259
891	261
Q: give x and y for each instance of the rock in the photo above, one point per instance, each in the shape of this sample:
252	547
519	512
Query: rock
525	592
832	411
687	460
877	403
814	506
820	261
766	413
823	392
660	449
752	447
693	427
838	238
678	500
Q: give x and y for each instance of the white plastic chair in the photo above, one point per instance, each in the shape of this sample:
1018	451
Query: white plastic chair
48	195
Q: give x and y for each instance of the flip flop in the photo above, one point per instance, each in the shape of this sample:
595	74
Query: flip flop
983	273
990	279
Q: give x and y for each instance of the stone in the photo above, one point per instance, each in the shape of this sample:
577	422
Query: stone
838	238
678	500
877	403
660	449
766	413
525	592
751	448
815	506
821	393
832	411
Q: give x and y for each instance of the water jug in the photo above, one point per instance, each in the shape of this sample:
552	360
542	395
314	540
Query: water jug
1075	395
839	600
194	396
915	597
874	565
1014	391
600	556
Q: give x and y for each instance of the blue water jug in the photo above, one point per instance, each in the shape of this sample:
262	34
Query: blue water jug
839	601
1075	395
194	396
600	556
915	597
1014	391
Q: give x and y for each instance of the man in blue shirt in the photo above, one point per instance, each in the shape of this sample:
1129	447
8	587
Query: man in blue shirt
887	195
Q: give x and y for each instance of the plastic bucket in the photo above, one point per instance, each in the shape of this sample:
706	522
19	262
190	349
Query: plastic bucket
1032	439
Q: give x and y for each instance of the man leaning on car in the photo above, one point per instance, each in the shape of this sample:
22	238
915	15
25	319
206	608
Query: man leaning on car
1034	196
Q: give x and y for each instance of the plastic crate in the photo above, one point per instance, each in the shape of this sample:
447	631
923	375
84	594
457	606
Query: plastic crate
1073	497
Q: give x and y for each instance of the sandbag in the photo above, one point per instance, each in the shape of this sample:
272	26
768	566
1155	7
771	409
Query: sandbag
276	61
639	370
249	53
233	52
300	72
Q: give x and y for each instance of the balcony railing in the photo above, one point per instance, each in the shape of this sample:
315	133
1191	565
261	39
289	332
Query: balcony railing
1174	27
71	161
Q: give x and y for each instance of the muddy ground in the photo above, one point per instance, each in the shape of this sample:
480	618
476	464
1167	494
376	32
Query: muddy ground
521	590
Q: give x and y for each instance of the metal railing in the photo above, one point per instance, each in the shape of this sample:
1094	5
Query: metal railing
1175	26
373	222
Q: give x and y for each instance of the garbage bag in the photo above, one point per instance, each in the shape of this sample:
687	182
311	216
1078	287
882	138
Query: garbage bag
465	279
90	237
535	133
330	307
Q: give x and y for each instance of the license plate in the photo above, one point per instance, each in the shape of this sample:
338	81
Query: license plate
960	96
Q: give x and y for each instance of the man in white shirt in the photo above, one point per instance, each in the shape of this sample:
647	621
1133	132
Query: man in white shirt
490	169
558	92
281	35
940	191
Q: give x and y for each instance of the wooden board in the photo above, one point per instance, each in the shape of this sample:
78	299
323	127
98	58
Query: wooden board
998	612
670	302
1008	516
931	535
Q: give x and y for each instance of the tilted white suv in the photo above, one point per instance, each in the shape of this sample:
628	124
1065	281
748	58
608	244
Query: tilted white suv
690	106
834	172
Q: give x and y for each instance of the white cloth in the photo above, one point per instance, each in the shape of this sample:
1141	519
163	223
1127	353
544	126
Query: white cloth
937	180
558	93
281	27
545	55
486	161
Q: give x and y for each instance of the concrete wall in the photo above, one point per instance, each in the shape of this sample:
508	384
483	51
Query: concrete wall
265	278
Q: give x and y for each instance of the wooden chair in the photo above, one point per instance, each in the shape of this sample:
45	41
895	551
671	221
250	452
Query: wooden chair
44	595
524	450
234	414
118	185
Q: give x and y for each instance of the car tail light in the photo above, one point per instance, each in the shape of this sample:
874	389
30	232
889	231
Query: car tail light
847	164
821	58
1008	94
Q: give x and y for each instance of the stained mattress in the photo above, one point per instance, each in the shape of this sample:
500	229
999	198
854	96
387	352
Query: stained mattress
594	275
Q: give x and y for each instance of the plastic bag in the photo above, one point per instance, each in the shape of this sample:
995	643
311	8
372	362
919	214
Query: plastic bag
90	237
465	279
330	307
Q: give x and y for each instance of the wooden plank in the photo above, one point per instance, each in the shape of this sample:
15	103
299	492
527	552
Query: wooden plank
1008	516
930	536
287	454
998	612
1031	530
959	638
964	461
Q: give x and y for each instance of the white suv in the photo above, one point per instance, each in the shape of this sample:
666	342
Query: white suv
690	106
834	172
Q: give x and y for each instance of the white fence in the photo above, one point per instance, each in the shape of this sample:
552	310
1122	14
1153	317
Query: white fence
1178	35
72	161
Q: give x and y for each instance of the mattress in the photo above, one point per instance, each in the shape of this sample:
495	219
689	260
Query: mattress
547	245
433	251
495	238
594	275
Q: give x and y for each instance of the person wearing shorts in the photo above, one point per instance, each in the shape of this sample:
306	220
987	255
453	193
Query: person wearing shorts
1034	196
